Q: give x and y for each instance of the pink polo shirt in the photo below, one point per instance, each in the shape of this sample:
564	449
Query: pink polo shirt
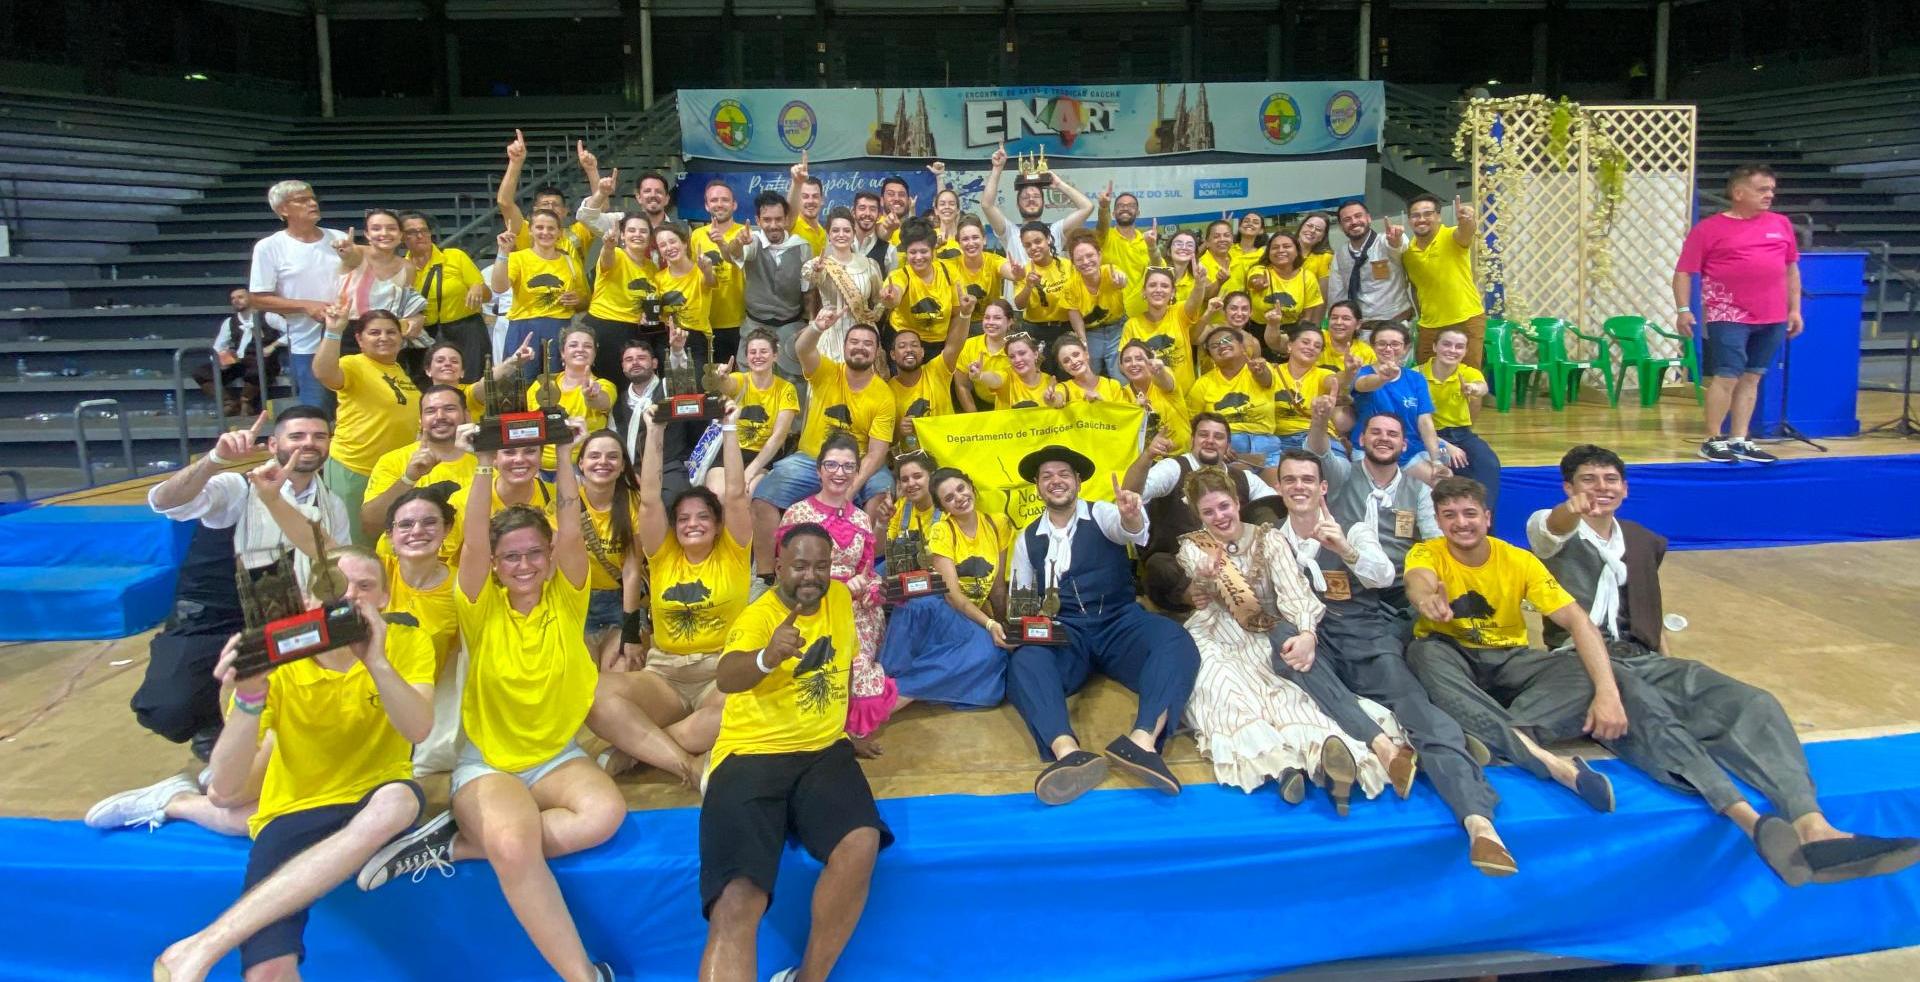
1742	264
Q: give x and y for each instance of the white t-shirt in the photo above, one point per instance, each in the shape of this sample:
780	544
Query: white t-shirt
296	270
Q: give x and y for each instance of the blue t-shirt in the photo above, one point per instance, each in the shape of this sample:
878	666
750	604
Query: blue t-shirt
1406	397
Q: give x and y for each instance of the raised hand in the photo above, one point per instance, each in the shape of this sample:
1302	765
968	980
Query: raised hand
799	170
1435	608
1322	407
505	241
517	150
676	337
889	295
825	318
1055	397
786	641
268	478
1216	305
422	461
524	354
344	247
1106	197
253	687
939	169
1327	532
235	444
1396	232
999	158
974	368
1389	370
588	162
1127	501
1153	234
607	185
463	436
1463	213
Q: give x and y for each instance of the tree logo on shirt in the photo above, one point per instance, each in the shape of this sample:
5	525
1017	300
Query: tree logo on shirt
1280	118
687	619
732	127
1231	401
1281	299
797	126
839	415
918	407
1473	609
976	577
548	282
753	422
820	689
948	253
976	291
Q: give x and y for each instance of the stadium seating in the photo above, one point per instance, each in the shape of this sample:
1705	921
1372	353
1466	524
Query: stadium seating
131	221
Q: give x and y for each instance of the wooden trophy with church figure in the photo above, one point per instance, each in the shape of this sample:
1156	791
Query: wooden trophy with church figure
508	422
909	574
280	627
1030	615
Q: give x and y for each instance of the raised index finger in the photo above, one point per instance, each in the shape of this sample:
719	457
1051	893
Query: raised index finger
1116	486
258	424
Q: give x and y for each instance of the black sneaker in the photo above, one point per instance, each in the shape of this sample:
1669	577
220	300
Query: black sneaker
603	972
1719	451
429	847
1745	450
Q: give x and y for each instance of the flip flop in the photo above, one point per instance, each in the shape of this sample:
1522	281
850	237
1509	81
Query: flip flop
1070	777
1778	844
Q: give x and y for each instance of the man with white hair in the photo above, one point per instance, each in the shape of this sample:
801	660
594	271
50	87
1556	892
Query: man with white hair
296	273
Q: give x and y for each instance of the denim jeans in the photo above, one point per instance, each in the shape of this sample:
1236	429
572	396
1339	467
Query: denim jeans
1103	350
307	390
1266	445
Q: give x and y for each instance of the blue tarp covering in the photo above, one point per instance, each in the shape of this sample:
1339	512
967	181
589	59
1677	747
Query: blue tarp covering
1704	505
1122	885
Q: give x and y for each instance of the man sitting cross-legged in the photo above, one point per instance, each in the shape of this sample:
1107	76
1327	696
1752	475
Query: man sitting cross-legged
1614	565
1470	650
782	767
338	787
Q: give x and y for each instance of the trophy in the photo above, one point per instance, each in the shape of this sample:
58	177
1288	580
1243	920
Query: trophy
280	628
1030	616
1033	171
909	576
687	400
508	423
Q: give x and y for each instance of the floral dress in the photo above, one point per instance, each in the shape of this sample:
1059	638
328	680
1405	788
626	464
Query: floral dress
855	545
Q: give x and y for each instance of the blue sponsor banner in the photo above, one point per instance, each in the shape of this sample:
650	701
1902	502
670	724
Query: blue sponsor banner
774	126
1213	188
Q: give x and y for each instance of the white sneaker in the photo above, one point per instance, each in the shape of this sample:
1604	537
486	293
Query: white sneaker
786	975
141	806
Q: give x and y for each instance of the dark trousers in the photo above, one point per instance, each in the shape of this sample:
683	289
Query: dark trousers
179	698
1483	464
1147	653
1494	691
469	334
543	333
1350	665
1743	728
609	339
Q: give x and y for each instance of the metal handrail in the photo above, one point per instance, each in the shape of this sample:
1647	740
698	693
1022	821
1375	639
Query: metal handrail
103	406
180	394
18	479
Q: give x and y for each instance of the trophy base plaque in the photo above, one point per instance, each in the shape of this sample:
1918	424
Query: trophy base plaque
1034	630
912	585
303	635
536	428
692	407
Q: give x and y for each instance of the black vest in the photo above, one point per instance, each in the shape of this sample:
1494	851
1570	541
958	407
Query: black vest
1170	516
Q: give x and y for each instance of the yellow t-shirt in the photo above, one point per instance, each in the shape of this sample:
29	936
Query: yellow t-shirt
573	402
761	408
694	603
1442	273
1172	407
1336	361
930	395
1105	390
1293	398
984	284
1319	264
685	298
975	559
811	231
1247	405
786	713
456	534
1109	302
1129	255
898	524
432	608
379	410
393	464
729	304
1169	339
1060	290
617	289
1211	267
924	308
1015	393
538	283
444	280
1244	257
833	405
575	240
1292	294
1449	400
332	741
530	678
990	361
1509	575
599	577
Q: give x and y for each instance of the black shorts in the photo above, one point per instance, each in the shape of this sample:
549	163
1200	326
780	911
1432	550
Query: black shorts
284	838
756	802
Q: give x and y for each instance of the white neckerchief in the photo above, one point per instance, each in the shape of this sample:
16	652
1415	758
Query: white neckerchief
1378	497
1059	545
1605	609
639	404
1305	551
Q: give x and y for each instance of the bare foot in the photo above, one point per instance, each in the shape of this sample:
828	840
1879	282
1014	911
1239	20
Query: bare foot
866	748
176	964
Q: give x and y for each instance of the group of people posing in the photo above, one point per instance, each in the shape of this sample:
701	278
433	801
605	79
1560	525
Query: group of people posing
1323	604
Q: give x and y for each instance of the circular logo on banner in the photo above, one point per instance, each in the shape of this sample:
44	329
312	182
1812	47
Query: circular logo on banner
732	127
1280	118
798	125
1343	113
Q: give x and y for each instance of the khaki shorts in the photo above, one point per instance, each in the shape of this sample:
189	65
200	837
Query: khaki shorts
692	676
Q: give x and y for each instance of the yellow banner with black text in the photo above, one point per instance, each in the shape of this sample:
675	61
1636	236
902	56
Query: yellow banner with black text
988	448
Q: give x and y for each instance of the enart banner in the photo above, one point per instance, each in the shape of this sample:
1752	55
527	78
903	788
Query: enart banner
1169	194
774	126
988	447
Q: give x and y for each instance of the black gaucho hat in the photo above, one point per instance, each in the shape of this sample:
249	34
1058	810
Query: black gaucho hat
1030	464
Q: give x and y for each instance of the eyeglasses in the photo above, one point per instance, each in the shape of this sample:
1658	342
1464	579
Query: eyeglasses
839	466
1223	342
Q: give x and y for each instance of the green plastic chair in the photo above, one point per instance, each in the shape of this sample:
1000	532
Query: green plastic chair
1630	333
1504	370
1558	364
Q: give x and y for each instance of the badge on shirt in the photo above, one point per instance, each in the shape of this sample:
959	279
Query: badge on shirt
1338	586
1380	269
1402	523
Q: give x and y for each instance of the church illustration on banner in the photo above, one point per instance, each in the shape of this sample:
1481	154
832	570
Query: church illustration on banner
1185	130
903	137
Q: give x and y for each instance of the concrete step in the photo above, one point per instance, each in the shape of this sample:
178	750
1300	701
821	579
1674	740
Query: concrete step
186	323
232	266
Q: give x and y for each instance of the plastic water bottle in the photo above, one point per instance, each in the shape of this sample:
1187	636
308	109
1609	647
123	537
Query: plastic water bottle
169	404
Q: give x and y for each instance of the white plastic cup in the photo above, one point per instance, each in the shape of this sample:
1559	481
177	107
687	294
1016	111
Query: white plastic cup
1675	622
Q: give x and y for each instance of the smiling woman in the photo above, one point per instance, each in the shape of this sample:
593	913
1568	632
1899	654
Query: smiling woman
378	402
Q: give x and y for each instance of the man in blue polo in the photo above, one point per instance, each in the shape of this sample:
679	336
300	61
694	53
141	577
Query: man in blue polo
1394	388
1077	550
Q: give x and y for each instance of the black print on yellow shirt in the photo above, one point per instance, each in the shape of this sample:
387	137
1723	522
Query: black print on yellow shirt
398	396
688	620
919	407
753	421
1231	401
1159	342
976	577
672	300
1026	404
820	688
839	414
553	285
976	291
1281	299
1470	607
1098	315
948	253
640	285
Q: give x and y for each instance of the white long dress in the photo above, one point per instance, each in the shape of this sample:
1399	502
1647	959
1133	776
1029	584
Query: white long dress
1251	723
865	277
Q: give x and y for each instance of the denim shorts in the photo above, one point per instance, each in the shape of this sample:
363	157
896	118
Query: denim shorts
471	766
1742	349
797	475
1265	444
604	610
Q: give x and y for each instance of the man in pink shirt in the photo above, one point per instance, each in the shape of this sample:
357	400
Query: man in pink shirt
1749	268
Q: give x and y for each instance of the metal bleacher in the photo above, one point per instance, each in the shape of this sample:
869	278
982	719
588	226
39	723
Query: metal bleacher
1847	156
130	222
